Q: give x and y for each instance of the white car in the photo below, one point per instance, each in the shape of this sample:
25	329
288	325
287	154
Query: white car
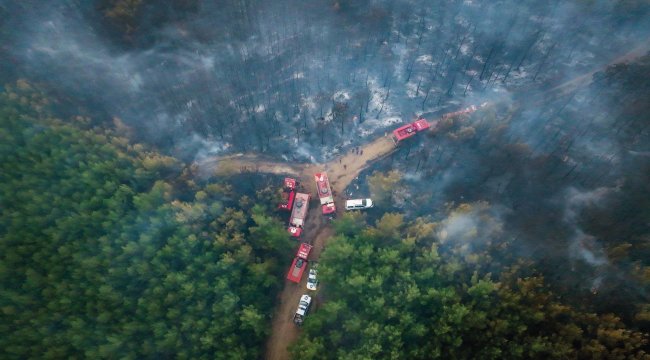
312	281
303	308
358	204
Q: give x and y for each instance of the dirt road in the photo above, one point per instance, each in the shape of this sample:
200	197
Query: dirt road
587	78
242	163
283	331
341	171
344	169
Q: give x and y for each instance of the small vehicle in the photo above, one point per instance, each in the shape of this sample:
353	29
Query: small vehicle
312	280
358	204
303	308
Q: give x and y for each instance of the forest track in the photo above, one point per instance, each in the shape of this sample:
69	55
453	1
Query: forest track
243	163
345	168
342	171
283	331
586	79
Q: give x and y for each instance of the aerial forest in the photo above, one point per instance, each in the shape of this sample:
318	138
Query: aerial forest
399	290
144	145
111	250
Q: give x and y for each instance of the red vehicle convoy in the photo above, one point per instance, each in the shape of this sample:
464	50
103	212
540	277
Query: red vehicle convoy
299	214
299	263
409	130
325	193
288	194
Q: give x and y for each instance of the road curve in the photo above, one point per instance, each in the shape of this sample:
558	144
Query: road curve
341	171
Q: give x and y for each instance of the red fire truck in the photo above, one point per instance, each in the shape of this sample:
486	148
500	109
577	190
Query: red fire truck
299	214
299	263
288	194
409	130
325	193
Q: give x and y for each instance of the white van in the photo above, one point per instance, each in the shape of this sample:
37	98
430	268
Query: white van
358	204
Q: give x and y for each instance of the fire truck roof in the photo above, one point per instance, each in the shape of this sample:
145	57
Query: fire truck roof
300	207
323	188
409	130
290	183
303	251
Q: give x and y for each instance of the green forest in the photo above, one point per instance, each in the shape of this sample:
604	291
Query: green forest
489	162
109	250
395	290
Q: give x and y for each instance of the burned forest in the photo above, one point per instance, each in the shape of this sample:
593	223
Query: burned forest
326	179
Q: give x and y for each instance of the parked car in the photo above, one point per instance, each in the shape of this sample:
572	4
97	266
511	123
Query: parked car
312	279
358	204
303	308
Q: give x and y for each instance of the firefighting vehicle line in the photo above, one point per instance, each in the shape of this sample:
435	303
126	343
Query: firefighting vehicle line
297	203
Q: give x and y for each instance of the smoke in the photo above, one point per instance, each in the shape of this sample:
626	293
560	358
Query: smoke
202	147
304	153
220	70
302	80
577	200
584	246
639	153
471	225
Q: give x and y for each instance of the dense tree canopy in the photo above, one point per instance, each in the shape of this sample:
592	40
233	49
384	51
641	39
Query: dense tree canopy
398	291
569	174
535	169
100	257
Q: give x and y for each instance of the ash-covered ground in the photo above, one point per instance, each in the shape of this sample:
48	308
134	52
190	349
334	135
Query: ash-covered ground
301	79
561	174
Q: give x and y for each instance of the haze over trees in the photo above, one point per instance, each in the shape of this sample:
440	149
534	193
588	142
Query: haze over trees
406	290
203	72
517	231
109	250
569	182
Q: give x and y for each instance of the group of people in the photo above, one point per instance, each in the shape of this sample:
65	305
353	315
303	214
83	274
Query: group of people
357	150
